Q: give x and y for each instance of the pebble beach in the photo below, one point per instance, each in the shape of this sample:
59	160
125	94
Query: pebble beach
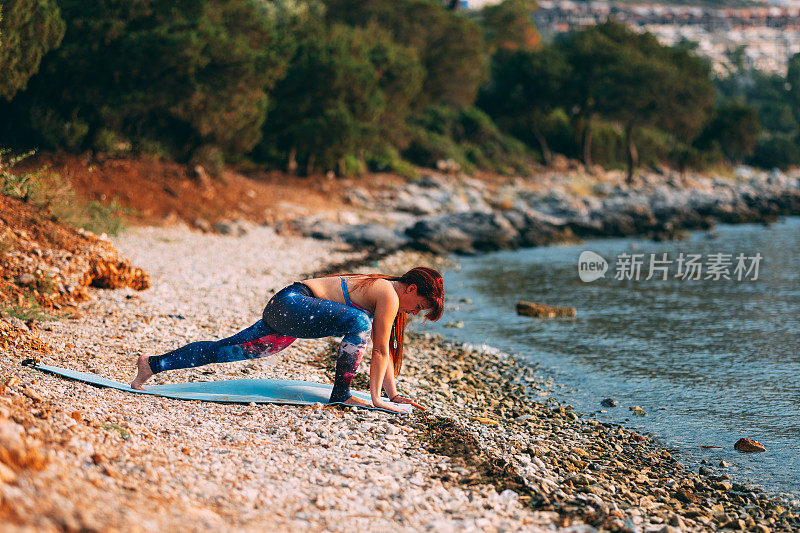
495	451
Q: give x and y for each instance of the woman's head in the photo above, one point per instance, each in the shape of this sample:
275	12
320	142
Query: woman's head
424	290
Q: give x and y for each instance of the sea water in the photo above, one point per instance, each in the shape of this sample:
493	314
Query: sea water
709	360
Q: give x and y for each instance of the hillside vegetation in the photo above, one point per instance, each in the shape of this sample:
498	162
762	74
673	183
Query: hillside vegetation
309	86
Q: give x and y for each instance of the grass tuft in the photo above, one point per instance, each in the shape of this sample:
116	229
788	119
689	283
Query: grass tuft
49	190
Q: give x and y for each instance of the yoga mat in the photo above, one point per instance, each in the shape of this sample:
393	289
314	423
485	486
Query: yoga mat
280	391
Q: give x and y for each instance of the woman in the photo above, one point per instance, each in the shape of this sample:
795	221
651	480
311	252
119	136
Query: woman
352	305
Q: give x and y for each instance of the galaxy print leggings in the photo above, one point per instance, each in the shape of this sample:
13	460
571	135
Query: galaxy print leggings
291	314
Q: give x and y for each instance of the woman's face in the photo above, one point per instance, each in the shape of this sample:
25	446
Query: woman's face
411	302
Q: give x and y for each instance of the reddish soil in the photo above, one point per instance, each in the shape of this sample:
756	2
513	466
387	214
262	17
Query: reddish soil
159	191
52	263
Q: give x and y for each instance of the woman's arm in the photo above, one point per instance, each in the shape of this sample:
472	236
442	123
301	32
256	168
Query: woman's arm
386	307
391	390
388	381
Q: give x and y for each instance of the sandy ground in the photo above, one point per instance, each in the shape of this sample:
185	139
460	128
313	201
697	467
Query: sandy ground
124	462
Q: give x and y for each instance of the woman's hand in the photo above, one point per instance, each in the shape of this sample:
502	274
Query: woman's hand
380	404
403	399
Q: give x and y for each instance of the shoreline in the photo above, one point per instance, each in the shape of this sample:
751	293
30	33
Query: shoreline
491	461
595	472
457	214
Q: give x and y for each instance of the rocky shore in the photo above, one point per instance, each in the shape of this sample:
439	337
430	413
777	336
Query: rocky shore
450	213
496	417
495	451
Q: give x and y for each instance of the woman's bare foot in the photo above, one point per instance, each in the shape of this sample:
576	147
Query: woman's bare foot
143	372
353	400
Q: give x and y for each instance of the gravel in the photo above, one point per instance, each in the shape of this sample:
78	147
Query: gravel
134	463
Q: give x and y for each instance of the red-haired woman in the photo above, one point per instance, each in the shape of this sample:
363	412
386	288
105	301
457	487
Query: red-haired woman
352	305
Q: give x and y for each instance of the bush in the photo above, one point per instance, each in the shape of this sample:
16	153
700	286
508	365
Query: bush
50	191
189	73
351	165
468	137
773	151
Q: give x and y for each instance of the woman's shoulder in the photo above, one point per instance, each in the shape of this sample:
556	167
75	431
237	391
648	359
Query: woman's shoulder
379	289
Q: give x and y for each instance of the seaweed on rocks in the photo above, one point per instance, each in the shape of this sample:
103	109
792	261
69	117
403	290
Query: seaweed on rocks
489	418
444	436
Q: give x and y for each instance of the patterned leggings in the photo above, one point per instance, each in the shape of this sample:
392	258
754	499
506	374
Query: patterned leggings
291	314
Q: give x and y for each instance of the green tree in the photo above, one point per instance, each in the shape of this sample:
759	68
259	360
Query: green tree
793	80
192	74
28	30
734	127
509	26
639	82
345	87
524	89
768	94
449	45
589	54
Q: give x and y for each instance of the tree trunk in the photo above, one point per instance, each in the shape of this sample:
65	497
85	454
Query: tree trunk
633	154
291	164
310	165
547	155
587	143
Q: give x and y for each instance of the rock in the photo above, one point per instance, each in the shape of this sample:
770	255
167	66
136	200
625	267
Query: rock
463	232
677	521
317	228
7	475
26	279
686	496
203	225
17	323
748	445
724	464
373	235
541	233
485	420
459	324
448	165
417	204
637	411
608	402
32	394
537	310
231	227
347	218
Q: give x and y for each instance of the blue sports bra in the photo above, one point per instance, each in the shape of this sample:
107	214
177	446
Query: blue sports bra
347	297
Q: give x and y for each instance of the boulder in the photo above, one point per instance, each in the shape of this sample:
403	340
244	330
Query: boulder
464	232
537	310
318	228
373	235
236	228
749	445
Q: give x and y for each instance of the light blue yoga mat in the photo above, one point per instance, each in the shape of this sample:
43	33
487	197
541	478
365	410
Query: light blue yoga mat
281	391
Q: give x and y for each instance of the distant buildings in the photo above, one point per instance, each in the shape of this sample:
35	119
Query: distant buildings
769	35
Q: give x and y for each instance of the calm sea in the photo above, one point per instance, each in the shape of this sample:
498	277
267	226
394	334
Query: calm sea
709	360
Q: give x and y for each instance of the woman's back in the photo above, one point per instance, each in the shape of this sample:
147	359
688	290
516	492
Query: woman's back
330	288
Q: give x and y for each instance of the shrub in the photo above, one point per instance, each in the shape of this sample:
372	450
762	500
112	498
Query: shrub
467	136
776	151
52	192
